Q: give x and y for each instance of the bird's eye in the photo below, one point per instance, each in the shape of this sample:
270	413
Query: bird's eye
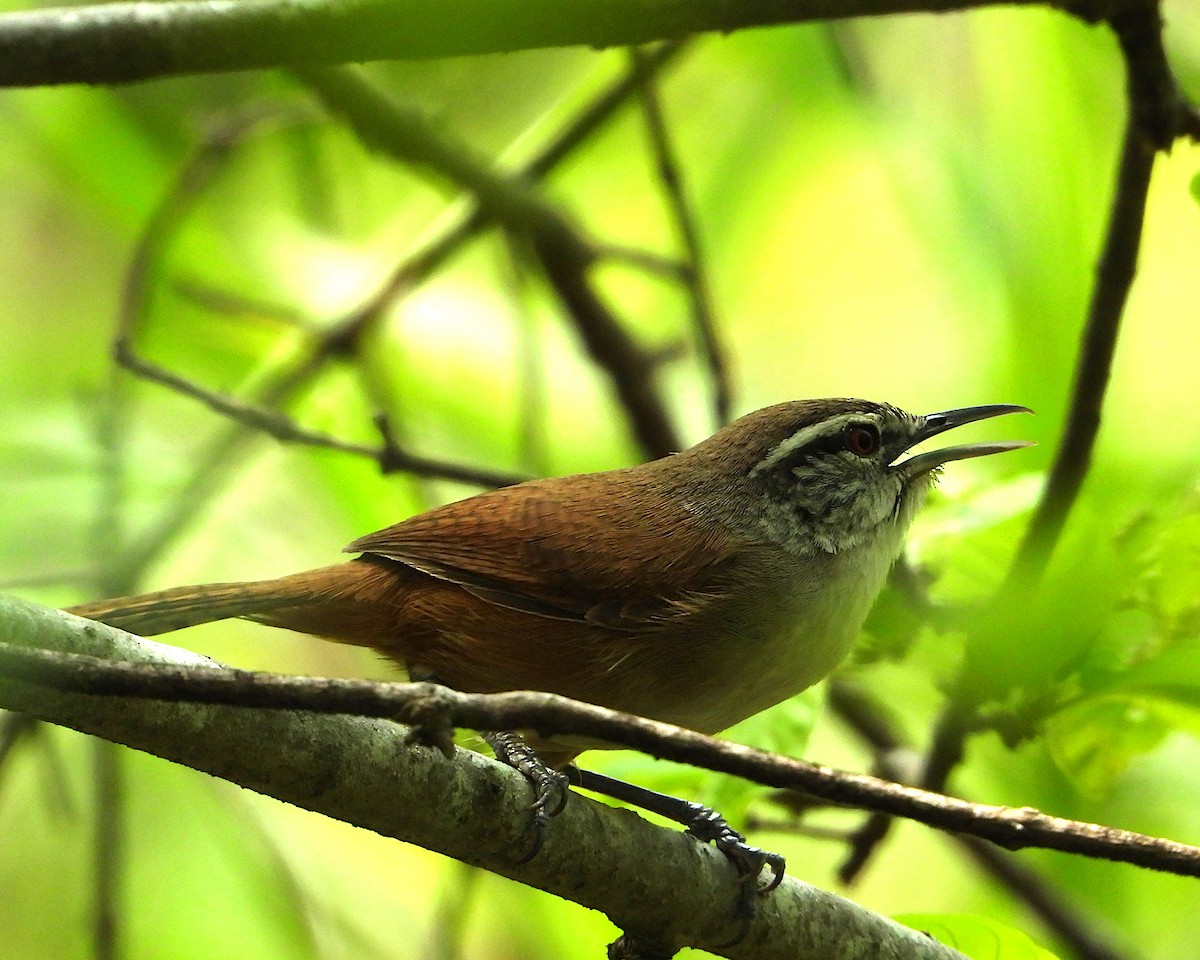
861	440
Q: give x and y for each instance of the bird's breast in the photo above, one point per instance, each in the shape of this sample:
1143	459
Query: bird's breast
771	642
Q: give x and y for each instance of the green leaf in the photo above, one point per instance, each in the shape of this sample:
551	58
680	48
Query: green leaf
980	938
1093	740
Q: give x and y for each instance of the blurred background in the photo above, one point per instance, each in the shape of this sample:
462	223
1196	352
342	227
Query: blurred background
907	209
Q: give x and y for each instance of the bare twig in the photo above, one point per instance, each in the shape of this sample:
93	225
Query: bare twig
576	132
696	275
434	709
205	162
193	178
647	261
210	297
945	752
388	455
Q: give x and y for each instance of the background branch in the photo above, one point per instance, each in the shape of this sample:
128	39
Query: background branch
566	256
1155	117
119	42
1156	114
342	336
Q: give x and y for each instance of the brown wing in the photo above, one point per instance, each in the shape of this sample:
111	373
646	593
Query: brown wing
608	549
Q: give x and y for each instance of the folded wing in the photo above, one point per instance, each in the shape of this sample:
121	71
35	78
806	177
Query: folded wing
604	549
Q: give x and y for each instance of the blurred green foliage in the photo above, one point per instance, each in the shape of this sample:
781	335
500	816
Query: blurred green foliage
978	937
906	209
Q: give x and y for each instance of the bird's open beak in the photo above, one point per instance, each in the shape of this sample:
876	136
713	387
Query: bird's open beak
934	423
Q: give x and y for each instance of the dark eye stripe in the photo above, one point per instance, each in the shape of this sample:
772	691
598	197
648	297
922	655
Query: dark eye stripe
824	446
815	440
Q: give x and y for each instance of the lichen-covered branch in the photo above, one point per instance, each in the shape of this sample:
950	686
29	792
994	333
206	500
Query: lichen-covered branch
651	881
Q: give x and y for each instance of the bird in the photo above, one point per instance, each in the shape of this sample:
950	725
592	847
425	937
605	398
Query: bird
697	589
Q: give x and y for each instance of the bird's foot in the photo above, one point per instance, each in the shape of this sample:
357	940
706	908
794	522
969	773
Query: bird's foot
707	826
550	787
710	827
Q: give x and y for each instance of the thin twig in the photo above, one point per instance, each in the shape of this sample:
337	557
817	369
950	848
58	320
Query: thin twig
696	276
435	710
645	260
944	754
434	254
532	399
198	171
942	757
388	455
189	184
210	297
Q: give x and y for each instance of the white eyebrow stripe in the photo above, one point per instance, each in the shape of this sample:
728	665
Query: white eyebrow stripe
806	435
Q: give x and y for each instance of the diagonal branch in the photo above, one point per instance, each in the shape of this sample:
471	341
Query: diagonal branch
653	882
390	456
871	721
434	254
695	272
1157	114
408	135
435	710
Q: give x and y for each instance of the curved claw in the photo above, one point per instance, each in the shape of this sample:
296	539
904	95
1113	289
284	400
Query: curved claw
551	790
550	787
709	826
705	825
749	862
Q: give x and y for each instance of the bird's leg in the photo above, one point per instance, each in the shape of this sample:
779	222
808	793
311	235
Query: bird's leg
549	786
703	823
